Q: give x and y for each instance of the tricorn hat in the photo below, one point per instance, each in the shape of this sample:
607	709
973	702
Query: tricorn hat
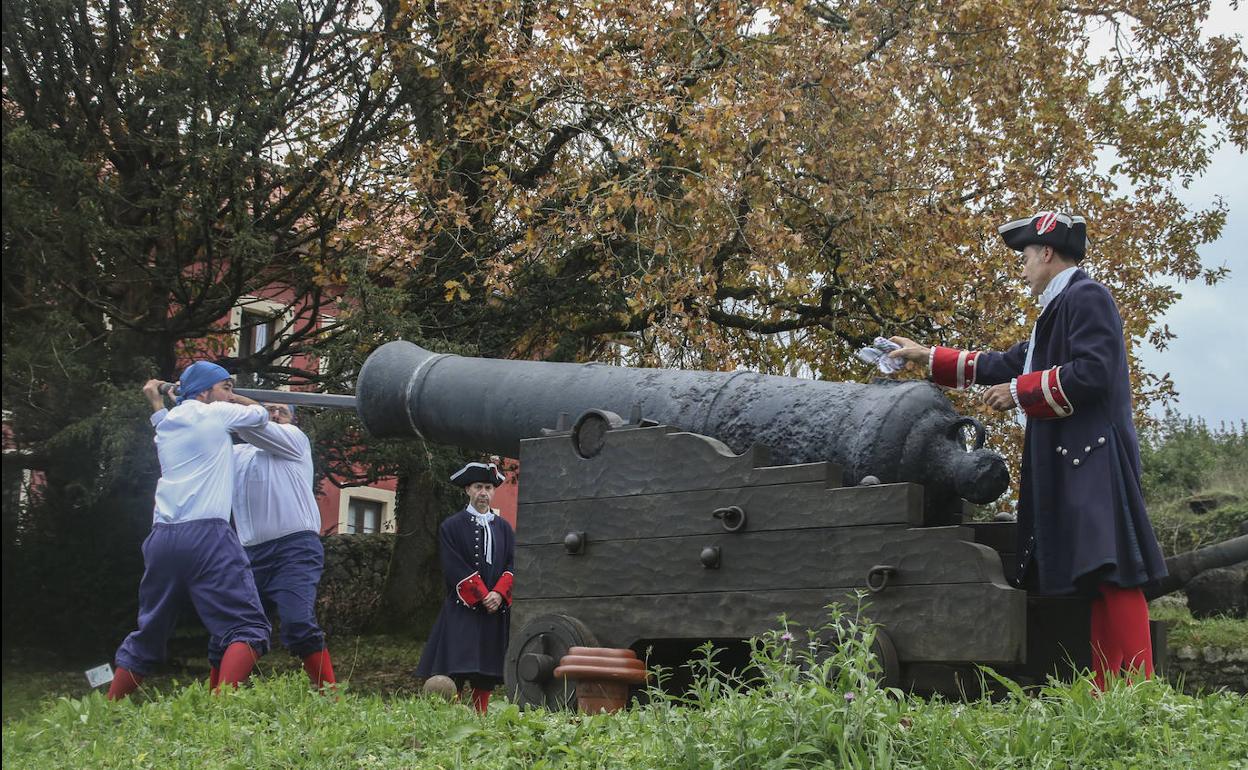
486	473
1067	234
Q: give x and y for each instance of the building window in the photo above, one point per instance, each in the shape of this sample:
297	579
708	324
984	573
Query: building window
364	516
364	510
256	332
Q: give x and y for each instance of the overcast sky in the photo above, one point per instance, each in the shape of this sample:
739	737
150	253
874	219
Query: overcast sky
1209	360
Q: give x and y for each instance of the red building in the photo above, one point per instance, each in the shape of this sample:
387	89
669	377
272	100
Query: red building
260	321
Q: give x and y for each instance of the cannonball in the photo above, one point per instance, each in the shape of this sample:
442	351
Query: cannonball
441	685
869	481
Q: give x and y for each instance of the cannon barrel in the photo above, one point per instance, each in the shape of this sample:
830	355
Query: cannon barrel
298	398
1185	566
894	430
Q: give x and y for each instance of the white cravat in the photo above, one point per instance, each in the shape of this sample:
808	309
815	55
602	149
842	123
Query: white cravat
1056	285
483	520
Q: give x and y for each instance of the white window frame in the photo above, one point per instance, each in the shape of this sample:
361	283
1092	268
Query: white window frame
283	315
327	322
384	496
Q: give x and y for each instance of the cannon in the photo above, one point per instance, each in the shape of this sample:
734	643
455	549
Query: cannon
893	430
1184	567
725	500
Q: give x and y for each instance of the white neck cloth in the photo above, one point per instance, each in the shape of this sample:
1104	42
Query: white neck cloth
1056	286
483	520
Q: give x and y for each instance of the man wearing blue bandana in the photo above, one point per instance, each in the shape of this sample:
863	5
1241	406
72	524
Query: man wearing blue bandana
192	556
1082	524
477	548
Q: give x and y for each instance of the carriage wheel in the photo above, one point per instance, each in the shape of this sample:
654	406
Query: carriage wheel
529	670
884	649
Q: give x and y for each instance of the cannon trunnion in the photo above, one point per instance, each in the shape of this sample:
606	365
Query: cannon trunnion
641	535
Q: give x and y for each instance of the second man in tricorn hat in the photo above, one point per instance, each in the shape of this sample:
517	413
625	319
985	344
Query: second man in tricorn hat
477	549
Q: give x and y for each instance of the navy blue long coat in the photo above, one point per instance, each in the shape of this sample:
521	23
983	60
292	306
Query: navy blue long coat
466	639
1081	514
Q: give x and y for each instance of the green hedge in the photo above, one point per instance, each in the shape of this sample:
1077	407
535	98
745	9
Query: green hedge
356	569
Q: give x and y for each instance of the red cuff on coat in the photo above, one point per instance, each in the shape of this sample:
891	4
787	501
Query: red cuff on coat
471	590
503	586
1040	394
953	368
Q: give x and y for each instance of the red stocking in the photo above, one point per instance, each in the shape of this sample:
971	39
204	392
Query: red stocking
236	664
1120	633
1127	610
1102	644
124	683
319	668
480	699
214	678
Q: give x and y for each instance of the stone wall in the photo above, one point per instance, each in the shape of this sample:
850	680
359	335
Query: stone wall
351	588
1205	669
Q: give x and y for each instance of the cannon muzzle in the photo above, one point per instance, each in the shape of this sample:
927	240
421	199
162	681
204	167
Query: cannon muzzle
894	430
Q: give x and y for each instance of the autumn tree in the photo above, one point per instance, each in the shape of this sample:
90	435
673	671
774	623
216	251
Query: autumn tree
770	184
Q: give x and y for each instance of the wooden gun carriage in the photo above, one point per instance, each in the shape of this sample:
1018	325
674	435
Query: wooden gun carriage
643	536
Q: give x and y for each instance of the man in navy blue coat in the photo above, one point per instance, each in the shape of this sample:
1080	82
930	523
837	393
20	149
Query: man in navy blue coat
1082	524
478	552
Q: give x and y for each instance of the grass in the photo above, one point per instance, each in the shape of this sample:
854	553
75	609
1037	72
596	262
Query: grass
1184	630
377	664
1179	529
279	723
805	708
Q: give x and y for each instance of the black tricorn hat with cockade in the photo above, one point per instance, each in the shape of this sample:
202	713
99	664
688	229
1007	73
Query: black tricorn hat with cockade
486	473
1067	234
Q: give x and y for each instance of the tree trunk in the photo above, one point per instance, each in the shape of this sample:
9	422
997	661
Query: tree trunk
414	588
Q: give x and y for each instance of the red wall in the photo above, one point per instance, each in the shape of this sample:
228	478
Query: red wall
329	498
505	498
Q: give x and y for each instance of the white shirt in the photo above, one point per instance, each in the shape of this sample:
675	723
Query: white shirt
273	484
196	460
1057	284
